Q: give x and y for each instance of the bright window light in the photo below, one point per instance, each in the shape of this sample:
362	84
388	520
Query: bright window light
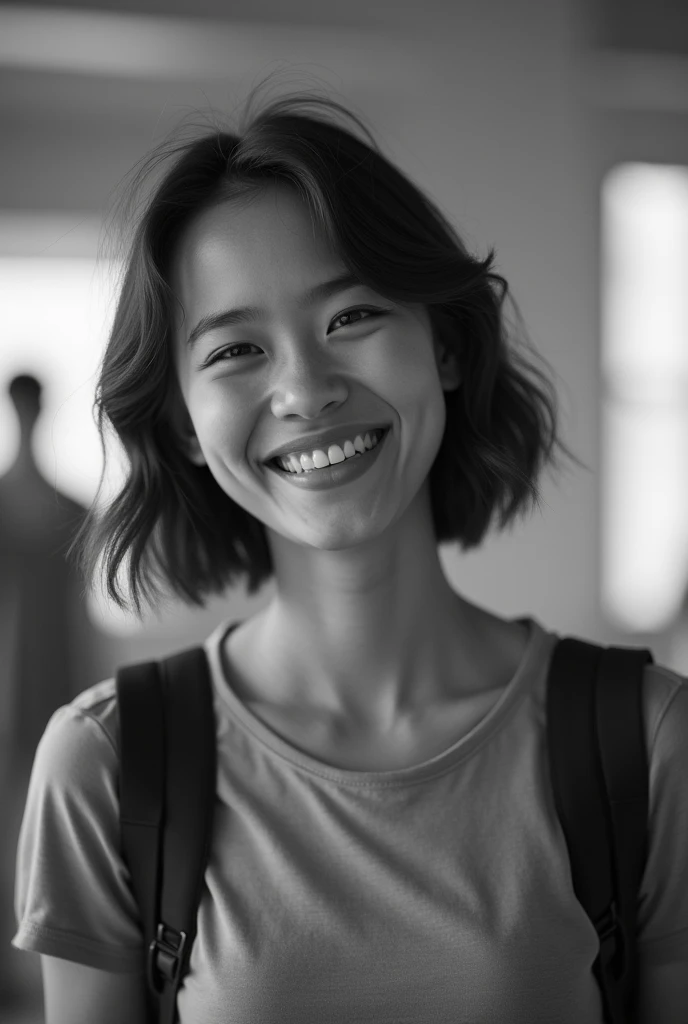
644	361
55	316
56	307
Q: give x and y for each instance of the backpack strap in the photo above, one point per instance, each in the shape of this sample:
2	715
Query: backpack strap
141	782
599	769
167	794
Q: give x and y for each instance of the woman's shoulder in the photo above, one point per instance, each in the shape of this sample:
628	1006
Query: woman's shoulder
665	702
97	701
664	691
665	680
77	730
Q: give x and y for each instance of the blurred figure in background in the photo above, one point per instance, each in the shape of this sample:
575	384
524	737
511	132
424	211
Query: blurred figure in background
44	634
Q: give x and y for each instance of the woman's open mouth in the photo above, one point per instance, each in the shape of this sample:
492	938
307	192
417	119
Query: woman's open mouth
338	472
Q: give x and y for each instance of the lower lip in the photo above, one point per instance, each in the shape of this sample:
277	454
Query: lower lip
333	476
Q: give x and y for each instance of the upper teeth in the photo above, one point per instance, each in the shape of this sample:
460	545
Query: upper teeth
299	463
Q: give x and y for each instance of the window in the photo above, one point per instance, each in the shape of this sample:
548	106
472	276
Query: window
56	303
644	365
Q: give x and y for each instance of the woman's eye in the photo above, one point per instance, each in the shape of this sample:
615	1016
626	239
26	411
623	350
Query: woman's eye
220	354
352	312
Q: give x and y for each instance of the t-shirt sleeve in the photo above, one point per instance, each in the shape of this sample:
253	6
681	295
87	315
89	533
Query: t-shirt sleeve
663	906
73	897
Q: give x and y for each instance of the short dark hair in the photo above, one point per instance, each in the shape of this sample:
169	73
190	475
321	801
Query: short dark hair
171	517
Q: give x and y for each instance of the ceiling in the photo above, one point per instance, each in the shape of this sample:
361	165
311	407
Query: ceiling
660	26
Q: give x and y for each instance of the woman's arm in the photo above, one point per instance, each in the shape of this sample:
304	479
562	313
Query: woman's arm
76	994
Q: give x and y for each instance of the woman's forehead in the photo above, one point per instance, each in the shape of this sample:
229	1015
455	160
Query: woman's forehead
274	227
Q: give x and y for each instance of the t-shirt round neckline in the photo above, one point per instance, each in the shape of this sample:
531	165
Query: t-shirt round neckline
512	693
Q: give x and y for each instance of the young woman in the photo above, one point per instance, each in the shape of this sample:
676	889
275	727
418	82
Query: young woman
314	383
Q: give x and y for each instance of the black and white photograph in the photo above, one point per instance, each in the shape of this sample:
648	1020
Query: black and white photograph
344	512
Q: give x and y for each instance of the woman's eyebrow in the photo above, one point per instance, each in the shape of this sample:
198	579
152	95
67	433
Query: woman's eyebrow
245	314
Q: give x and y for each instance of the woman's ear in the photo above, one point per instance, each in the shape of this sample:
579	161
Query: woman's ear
192	448
446	355
447	366
184	432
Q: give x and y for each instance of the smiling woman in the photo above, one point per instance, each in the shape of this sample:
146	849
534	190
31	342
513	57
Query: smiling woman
315	385
380	233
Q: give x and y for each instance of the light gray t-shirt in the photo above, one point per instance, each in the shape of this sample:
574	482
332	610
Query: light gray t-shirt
437	893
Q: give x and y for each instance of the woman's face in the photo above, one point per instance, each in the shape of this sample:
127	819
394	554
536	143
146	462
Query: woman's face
294	368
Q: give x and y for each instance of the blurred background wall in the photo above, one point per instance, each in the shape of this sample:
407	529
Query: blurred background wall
553	129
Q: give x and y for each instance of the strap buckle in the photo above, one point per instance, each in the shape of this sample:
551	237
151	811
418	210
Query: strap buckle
607	923
164	956
613	943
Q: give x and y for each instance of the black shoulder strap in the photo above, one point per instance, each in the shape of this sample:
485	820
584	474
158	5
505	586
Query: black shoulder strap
599	769
167	794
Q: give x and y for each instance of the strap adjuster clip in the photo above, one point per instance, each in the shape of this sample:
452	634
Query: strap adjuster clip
164	956
613	941
608	923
